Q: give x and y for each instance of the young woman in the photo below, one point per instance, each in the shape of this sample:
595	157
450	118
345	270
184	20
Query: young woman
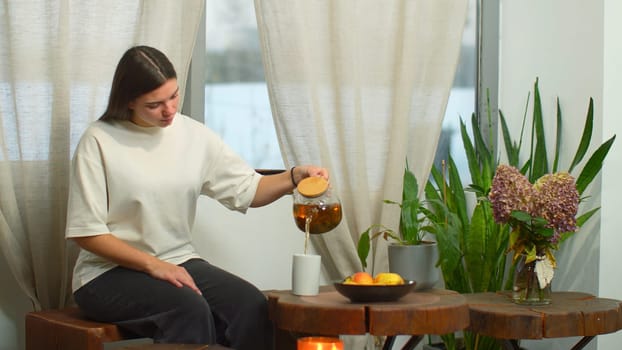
136	177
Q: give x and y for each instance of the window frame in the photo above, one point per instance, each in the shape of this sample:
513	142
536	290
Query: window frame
487	70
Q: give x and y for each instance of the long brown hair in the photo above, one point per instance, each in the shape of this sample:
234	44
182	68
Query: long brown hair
141	69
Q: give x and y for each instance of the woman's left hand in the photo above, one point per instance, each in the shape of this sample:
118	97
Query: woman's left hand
302	171
273	187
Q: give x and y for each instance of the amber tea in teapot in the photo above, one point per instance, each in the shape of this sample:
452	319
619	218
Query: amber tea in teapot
316	209
322	217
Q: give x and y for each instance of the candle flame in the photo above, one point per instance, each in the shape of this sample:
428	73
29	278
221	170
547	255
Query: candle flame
319	344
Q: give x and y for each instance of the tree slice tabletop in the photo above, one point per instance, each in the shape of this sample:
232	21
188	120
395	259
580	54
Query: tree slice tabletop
569	314
434	311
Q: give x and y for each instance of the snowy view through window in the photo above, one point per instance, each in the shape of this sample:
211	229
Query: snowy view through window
236	97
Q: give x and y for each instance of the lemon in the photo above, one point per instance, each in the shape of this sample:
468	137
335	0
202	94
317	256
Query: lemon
348	280
388	278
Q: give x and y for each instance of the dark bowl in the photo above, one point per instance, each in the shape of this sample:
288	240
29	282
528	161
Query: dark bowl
374	293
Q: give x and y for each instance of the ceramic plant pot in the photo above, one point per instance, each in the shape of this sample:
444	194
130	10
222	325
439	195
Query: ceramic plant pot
416	263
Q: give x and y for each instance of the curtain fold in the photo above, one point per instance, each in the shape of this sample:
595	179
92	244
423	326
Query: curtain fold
58	58
360	87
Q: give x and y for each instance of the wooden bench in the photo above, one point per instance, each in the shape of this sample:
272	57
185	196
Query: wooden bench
69	329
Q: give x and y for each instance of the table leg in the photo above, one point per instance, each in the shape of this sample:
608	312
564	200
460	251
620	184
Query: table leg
583	342
284	340
388	342
512	344
412	342
509	344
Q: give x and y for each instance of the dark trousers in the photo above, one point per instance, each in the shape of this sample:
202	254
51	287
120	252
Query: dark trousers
231	311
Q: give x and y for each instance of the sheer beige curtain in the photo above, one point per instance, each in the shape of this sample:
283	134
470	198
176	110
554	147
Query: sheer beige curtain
360	86
58	58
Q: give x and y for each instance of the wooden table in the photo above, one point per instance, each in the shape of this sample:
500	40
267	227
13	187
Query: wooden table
434	311
570	314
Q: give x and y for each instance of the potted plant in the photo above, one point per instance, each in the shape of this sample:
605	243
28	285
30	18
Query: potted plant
410	254
472	246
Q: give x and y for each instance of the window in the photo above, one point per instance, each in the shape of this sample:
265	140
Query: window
237	106
461	103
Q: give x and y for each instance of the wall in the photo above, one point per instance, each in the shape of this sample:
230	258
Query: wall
257	246
572	47
610	282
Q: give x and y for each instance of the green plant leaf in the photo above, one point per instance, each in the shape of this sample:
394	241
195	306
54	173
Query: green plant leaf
363	247
500	237
539	162
558	137
450	254
520	138
494	253
593	165
586	137
457	193
521	216
410	210
409	223
410	190
511	149
475	247
431	195
580	221
483	154
471	155
586	216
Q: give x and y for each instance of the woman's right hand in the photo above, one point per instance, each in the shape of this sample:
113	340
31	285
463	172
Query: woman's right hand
113	249
177	275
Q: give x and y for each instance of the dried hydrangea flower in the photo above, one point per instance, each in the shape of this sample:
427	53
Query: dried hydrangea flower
557	201
510	191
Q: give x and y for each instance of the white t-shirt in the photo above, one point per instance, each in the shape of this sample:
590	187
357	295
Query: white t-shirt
142	185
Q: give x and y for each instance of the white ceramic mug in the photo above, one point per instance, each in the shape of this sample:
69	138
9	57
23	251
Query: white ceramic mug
306	274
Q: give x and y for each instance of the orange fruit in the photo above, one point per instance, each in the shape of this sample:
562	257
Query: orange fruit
361	277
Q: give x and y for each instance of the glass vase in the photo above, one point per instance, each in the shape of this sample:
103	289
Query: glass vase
526	289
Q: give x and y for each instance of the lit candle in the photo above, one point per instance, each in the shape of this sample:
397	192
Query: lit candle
319	343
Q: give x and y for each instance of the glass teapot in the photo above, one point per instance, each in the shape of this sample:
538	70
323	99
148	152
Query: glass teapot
316	208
